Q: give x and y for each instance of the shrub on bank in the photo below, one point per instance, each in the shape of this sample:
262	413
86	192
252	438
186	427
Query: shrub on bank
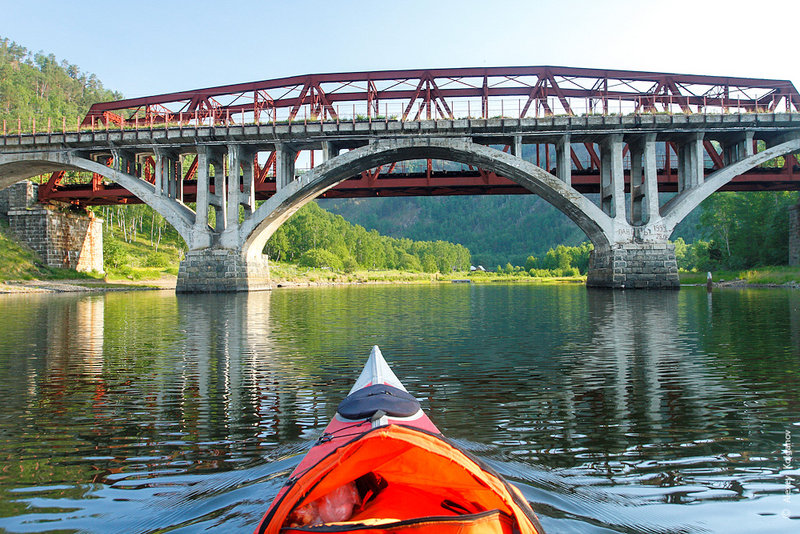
320	258
560	272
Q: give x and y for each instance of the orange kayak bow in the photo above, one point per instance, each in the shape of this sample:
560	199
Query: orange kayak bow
381	466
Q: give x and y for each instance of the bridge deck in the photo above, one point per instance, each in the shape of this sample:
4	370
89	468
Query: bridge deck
347	134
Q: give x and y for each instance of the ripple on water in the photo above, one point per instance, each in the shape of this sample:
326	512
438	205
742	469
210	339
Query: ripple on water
613	412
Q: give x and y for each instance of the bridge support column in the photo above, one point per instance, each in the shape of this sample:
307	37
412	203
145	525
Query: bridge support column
222	270
201	210
169	181
794	235
125	161
234	188
241	192
217	200
634	266
612	179
284	165
690	162
644	180
737	148
329	150
564	160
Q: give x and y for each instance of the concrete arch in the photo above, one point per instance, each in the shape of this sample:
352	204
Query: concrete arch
257	229
681	205
16	167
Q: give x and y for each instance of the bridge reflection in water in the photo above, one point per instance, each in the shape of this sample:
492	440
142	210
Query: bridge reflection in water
623	398
231	351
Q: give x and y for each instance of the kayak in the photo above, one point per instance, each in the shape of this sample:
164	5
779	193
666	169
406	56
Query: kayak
382	466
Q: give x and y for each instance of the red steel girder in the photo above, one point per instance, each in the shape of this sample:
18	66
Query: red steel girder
475	182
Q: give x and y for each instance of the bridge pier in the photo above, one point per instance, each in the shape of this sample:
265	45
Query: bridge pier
634	266
220	270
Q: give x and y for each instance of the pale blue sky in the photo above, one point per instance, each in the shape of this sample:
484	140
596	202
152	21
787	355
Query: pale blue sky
150	47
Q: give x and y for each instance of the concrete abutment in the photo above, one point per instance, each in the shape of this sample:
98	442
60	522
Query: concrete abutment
220	270
63	239
634	266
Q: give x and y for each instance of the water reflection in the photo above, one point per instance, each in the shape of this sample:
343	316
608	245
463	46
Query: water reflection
794	320
613	410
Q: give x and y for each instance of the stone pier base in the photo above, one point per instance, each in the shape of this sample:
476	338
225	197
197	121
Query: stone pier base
221	270
794	235
634	266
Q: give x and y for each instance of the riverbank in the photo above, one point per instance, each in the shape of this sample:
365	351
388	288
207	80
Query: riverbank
283	276
763	277
290	275
293	276
83	285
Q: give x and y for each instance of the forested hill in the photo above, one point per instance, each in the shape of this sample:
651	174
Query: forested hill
38	85
495	229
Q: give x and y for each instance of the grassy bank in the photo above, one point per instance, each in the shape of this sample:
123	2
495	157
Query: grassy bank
771	275
138	260
479	277
289	274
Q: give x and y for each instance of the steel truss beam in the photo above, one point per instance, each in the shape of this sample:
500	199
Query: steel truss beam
449	93
471	182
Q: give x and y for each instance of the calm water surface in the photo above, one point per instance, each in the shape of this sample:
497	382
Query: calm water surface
626	412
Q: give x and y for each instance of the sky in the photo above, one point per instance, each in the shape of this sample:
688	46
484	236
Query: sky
150	47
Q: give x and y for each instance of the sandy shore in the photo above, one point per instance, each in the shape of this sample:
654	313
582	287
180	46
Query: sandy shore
168	283
86	285
744	284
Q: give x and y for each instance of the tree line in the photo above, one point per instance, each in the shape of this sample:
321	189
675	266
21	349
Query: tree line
740	231
314	237
37	85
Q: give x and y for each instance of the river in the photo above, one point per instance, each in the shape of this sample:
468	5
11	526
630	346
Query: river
613	411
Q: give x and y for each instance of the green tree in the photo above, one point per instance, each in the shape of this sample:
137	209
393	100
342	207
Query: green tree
313	228
407	262
429	263
349	265
320	258
39	86
747	229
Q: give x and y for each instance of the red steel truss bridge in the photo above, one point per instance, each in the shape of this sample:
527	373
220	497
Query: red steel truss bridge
255	153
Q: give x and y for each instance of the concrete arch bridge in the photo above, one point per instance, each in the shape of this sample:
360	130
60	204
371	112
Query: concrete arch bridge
237	153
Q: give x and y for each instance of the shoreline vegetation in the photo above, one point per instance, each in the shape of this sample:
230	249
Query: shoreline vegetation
168	284
292	276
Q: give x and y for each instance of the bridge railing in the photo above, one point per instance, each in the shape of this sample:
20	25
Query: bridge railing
390	112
